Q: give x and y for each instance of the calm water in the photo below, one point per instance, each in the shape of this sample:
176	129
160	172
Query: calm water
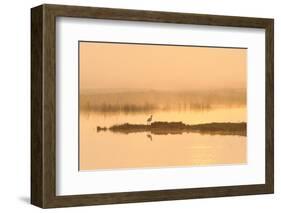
107	150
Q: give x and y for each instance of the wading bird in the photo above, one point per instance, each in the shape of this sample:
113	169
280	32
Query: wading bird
149	119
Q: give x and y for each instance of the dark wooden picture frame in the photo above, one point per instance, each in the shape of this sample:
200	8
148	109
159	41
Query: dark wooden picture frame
43	105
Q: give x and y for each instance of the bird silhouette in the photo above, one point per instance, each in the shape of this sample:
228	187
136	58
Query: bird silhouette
149	119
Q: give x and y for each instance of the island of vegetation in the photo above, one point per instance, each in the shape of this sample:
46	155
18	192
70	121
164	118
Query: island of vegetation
163	128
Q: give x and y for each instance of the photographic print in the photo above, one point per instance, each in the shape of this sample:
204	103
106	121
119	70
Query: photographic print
169	105
157	106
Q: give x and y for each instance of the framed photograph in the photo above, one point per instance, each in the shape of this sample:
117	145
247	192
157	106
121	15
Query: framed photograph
136	106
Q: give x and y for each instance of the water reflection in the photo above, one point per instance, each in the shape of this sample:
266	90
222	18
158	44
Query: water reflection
149	136
101	149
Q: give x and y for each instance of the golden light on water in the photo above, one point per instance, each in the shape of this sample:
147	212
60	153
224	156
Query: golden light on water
125	83
110	150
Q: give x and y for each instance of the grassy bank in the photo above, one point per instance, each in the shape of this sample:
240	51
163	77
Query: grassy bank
163	128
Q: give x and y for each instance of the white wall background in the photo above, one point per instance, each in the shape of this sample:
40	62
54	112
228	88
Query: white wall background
15	105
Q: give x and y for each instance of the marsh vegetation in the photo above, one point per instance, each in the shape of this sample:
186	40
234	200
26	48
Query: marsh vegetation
149	101
165	128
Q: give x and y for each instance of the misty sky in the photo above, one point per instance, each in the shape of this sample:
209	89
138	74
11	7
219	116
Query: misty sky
159	67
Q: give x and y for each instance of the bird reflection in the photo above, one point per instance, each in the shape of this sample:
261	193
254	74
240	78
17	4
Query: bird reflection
149	136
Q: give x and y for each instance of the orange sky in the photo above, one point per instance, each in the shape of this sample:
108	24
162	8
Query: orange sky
160	67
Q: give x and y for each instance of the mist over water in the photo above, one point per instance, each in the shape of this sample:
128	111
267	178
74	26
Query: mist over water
148	101
108	150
